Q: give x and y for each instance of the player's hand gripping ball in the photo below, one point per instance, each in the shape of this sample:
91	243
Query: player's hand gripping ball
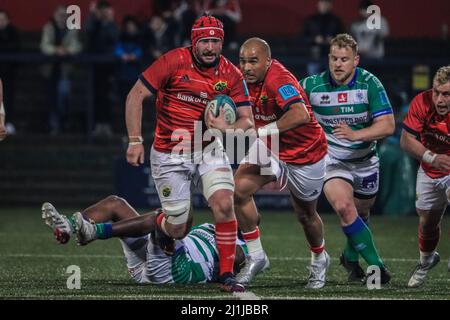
224	102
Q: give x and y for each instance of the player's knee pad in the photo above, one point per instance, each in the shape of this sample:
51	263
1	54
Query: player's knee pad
177	212
217	180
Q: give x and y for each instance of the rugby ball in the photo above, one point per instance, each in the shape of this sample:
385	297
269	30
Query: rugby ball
222	101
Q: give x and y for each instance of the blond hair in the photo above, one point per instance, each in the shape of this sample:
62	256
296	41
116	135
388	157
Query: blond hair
442	76
344	40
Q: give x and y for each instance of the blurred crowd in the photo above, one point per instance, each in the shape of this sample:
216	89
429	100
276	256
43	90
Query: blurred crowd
123	50
131	45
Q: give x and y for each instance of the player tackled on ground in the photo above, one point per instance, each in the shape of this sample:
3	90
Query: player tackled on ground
281	109
195	259
426	136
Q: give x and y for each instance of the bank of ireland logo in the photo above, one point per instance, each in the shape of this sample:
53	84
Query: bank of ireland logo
220	86
166	191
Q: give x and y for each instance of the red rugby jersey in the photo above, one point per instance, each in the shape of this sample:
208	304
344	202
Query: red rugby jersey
271	99
432	129
183	90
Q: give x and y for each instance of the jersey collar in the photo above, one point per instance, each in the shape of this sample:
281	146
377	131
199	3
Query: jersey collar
351	84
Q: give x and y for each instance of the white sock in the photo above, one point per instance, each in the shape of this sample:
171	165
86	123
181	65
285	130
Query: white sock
425	257
255	249
318	257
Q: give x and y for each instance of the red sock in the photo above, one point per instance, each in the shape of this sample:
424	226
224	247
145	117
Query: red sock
159	220
252	235
428	241
319	249
226	233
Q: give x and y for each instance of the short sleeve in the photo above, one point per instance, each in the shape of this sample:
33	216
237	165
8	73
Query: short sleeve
414	119
379	104
158	74
286	92
239	91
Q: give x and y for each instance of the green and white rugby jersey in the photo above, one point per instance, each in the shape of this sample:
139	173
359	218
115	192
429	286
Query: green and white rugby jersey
196	258
356	104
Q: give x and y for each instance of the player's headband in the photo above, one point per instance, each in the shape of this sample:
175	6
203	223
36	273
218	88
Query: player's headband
206	27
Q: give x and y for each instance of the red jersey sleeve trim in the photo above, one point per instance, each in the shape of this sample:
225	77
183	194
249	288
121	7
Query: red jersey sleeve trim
243	104
413	132
147	84
290	103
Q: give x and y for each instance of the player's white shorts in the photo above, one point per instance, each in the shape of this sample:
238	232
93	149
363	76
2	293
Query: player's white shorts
156	267
176	176
153	267
136	259
363	176
431	193
304	181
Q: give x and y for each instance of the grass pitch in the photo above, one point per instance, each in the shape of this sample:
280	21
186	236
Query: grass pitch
33	265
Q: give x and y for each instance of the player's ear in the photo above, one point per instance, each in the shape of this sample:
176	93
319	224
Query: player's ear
356	62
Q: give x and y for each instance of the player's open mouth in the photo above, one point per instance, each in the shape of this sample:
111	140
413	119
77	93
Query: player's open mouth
443	109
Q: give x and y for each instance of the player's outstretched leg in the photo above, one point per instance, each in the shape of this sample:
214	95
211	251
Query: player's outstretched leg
62	226
248	180
86	230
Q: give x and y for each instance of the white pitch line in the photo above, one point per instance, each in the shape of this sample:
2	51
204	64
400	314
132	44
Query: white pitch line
247	295
58	256
107	256
214	297
336	259
134	297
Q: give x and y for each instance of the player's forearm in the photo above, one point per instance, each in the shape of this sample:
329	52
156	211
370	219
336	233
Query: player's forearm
245	119
377	131
133	109
133	116
244	123
296	116
412	146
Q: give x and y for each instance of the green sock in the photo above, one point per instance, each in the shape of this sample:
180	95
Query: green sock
350	253
103	230
361	238
73	223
